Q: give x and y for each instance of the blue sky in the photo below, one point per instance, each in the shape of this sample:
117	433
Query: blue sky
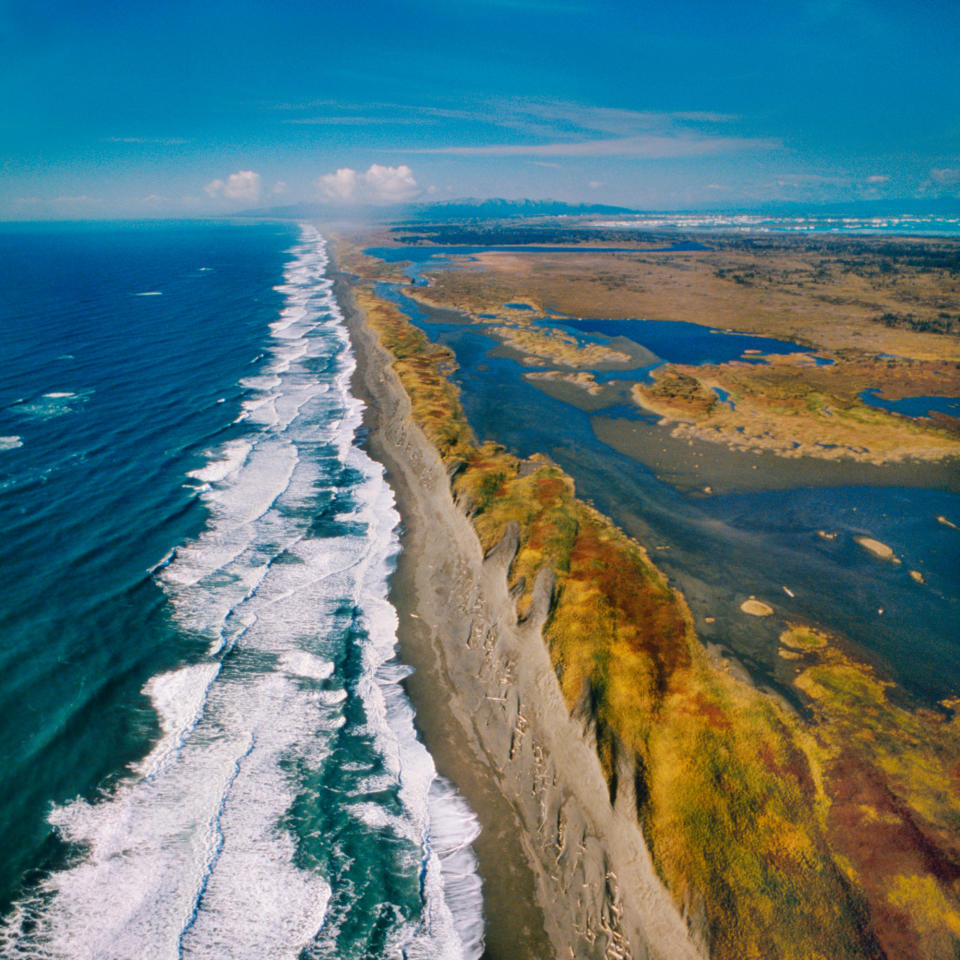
185	108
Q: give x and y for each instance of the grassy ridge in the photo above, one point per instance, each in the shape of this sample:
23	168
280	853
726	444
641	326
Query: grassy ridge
749	812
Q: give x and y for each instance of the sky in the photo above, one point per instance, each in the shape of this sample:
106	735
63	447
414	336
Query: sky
186	108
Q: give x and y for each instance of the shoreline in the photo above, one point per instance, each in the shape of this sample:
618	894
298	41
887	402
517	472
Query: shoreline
491	713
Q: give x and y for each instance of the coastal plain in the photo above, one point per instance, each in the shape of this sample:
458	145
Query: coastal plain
667	796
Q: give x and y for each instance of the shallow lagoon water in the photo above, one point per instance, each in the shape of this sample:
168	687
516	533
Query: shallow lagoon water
677	341
914	406
721	549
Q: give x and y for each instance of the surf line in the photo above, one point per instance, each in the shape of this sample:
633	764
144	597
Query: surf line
196	839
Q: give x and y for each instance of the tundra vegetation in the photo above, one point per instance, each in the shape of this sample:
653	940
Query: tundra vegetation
796	408
830	831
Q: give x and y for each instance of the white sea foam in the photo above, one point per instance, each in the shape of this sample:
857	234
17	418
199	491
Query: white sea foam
303	664
229	460
10	443
189	857
178	698
56	403
150	293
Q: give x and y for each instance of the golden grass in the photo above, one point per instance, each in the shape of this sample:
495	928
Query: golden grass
541	345
795	409
780	288
751	811
423	368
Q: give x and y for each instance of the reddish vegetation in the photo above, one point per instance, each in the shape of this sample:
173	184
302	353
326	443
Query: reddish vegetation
882	840
550	489
717	718
657	628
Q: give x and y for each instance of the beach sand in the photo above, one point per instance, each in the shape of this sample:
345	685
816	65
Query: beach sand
565	873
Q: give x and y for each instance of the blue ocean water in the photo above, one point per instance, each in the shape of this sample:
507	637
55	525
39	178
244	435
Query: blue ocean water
206	750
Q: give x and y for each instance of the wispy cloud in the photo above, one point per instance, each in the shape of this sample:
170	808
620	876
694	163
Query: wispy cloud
309	105
563	117
153	141
545	128
536	117
354	121
653	147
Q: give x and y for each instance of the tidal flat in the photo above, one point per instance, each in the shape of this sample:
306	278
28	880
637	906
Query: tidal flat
756	798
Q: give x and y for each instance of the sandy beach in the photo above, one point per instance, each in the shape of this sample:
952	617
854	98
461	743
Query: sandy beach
566	874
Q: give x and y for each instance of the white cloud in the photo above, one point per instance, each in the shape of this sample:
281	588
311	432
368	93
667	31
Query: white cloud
341	185
877	178
379	184
595	184
242	186
391	183
279	187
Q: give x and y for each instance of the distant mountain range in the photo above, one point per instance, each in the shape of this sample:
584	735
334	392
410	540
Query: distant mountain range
468	208
499	209
471	208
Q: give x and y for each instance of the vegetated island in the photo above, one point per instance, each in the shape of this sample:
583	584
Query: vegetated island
831	831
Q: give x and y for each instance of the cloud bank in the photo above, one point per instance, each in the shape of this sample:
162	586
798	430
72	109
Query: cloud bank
242	187
379	184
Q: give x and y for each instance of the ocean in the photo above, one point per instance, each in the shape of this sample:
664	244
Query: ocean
206	746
